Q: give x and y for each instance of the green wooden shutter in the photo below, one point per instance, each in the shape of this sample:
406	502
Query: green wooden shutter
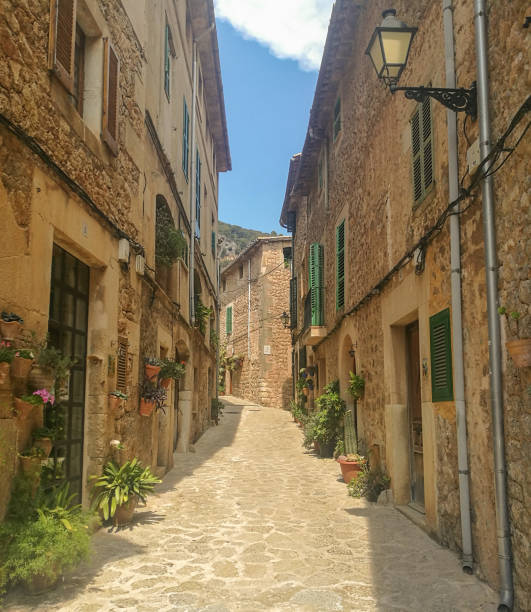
186	148
214	244
340	265
293	302
316	282
167	61
422	151
228	320
441	357
197	193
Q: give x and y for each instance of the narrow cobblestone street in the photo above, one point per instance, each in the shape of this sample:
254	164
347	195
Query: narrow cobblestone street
251	521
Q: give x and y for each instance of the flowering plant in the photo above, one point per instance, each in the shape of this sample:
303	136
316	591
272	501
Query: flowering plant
39	397
116	445
24	354
172	369
6	352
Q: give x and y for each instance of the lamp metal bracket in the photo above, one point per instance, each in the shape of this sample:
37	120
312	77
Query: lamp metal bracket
455	99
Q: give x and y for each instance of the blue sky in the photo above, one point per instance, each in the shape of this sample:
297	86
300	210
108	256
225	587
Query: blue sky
267	102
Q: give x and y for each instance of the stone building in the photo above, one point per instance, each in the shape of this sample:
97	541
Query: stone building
256	343
112	135
366	202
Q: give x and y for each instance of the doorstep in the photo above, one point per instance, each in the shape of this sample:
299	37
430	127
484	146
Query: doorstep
415	516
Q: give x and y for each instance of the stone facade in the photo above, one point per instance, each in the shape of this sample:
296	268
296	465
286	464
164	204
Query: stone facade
363	176
63	186
257	332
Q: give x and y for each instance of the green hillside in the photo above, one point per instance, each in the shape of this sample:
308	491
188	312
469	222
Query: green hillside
234	239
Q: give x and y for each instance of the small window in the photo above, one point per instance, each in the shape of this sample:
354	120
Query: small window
241	271
228	320
337	118
422	151
441	357
62	41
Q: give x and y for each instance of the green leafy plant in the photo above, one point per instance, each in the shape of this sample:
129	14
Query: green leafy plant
7	352
9	317
117	485
43	432
52	358
216	409
339	449
153	361
202	313
324	426
33	452
172	369
298	411
24	354
369	483
356	386
119	394
513	320
170	243
154	393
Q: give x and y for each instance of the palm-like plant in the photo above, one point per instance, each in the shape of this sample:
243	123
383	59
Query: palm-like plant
118	484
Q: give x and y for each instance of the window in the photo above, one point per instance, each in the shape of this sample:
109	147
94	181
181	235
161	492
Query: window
169	51
316	274
79	70
340	265
337	118
197	194
121	365
241	271
62	41
111	73
293	302
228	320
186	135
422	151
441	357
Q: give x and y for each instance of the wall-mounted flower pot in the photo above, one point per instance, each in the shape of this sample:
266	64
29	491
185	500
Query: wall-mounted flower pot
21	367
520	352
4	373
349	469
165	382
23	409
10	330
306	391
146	407
30	465
45	443
114	402
41	378
152	371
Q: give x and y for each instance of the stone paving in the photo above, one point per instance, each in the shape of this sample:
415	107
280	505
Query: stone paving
251	521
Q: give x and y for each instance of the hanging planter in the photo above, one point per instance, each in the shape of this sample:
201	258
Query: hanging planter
21	365
23	409
10	325
30	460
4	373
152	368
115	399
146	407
41	378
520	352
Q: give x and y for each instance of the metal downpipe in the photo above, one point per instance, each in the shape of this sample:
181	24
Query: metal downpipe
457	322
192	188
500	473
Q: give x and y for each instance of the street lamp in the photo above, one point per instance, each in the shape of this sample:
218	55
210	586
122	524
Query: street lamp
284	317
389	50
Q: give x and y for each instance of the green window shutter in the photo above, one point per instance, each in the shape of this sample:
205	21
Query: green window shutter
337	118
293	302
197	193
340	265
422	150
441	357
186	147
228	320
316	282
167	61
214	243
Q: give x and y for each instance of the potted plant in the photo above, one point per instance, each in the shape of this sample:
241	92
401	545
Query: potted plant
22	362
43	438
30	460
356	386
216	410
351	463
117	491
152	367
26	404
519	348
152	397
50	365
369	483
10	325
116	398
6	357
202	313
170	370
326	421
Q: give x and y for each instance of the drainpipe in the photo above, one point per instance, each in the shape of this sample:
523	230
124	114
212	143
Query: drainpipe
457	323
249	309
192	187
491	263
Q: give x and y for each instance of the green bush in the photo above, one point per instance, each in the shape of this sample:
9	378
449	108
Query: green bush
369	483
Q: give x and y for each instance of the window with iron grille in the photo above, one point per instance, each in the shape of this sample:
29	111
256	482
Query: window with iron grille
441	357
316	278
121	365
340	265
422	151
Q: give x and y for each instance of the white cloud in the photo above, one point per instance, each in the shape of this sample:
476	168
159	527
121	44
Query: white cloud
291	29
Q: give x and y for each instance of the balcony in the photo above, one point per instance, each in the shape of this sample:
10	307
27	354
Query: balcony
312	334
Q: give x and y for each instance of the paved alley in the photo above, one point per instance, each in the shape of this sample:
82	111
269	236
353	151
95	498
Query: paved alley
251	521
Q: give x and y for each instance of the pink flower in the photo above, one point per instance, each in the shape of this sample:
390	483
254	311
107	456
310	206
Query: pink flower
46	396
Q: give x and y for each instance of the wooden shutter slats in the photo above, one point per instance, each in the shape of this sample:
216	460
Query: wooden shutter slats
293	302
340	265
121	365
186	127
111	77
441	357
228	320
316	282
62	40
422	150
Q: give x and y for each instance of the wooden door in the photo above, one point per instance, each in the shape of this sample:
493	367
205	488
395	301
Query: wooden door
415	415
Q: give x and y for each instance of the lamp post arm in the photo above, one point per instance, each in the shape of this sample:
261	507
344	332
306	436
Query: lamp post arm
455	99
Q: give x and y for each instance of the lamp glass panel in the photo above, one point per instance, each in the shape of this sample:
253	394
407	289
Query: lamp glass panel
396	46
375	53
393	71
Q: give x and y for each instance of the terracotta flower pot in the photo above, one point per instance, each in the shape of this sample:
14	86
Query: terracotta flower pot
21	367
10	329
520	352
114	402
124	512
165	382
4	372
152	372
24	409
30	465
349	469
41	378
45	443
306	391
146	407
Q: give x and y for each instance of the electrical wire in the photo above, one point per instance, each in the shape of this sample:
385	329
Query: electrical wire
242	336
254	280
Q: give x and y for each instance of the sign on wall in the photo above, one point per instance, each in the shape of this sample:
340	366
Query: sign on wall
267	349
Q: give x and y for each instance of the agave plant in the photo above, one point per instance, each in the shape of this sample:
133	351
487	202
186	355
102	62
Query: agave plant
118	484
